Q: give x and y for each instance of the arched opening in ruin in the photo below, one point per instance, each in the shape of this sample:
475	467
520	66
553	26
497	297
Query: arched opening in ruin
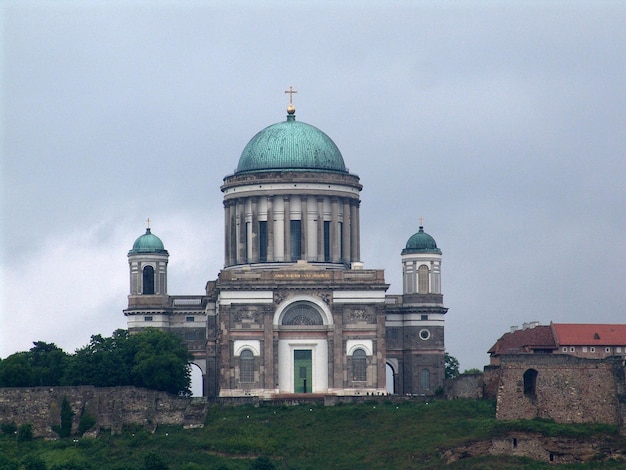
530	383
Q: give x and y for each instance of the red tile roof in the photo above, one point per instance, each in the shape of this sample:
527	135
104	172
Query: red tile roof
524	341
573	334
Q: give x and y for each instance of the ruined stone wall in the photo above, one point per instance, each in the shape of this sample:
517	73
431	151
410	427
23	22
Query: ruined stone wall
491	381
111	407
567	389
464	386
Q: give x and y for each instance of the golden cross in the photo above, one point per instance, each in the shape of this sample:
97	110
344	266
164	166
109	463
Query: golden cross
421	219
291	91
148	222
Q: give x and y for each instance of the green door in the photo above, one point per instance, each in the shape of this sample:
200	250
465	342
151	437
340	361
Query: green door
302	371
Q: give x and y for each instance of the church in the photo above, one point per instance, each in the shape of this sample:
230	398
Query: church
294	310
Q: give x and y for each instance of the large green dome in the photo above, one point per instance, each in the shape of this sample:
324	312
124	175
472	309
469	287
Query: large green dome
421	242
291	145
148	243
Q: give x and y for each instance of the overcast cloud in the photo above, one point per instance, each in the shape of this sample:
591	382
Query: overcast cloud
501	123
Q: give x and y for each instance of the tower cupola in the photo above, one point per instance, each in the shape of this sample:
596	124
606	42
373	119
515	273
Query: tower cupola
148	265
421	264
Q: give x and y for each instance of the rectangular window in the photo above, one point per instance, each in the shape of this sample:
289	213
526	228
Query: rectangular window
326	241
296	239
424	317
262	241
618	349
584	348
147	318
246	367
190	318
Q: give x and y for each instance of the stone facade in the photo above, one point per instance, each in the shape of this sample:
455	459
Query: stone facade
564	388
111	407
293	310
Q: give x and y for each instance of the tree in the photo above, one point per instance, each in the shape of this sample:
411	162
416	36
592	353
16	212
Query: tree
48	362
16	371
152	359
161	362
473	370
452	366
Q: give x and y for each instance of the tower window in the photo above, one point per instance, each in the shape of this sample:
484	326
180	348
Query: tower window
263	241
246	366
296	239
422	279
326	241
148	280
359	366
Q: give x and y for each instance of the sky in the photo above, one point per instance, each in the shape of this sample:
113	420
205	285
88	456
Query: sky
502	124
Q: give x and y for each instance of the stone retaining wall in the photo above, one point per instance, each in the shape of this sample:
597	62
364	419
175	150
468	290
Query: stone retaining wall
111	407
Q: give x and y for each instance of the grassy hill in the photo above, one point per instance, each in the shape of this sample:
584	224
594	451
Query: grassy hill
376	435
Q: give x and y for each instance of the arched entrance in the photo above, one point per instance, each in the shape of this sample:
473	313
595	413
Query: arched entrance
302	323
197	381
390	378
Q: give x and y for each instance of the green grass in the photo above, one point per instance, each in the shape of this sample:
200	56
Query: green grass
384	435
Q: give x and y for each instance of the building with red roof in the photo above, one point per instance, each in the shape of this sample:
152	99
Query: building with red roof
592	341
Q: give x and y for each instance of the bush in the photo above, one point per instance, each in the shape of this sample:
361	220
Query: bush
8	428
25	432
86	423
154	462
262	463
34	463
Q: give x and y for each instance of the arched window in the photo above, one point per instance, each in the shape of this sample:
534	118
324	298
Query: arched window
302	314
246	366
530	383
148	280
359	366
425	379
422	279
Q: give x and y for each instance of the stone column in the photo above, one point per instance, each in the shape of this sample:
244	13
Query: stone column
279	229
227	228
287	229
320	229
346	232
254	236
241	229
270	230
304	227
334	231
353	229
357	223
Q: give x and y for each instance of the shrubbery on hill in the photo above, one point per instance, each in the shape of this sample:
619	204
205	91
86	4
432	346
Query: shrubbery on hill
152	359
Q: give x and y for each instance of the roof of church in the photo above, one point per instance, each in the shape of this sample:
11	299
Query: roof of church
421	242
291	145
147	243
525	340
572	334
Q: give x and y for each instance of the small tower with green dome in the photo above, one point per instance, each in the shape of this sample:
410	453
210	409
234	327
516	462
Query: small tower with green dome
421	265
415	323
148	265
